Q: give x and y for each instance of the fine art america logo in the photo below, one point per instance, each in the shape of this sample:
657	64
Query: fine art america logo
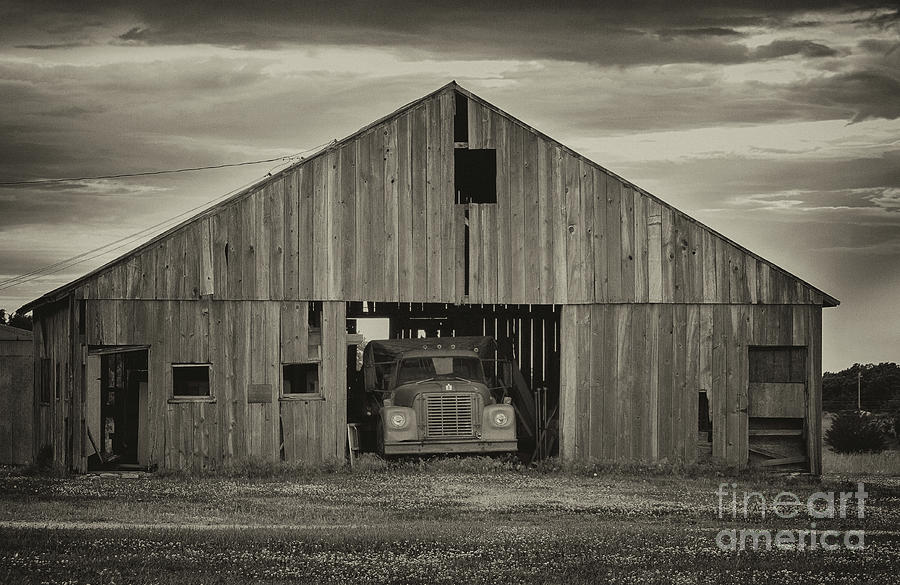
787	505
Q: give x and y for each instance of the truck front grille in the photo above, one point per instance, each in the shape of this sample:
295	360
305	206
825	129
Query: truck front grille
449	415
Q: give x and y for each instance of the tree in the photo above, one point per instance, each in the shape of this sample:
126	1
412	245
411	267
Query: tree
879	385
16	320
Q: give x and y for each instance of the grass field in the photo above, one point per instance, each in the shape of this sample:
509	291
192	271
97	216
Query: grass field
475	522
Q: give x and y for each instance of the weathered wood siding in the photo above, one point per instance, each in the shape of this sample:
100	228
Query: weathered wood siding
16	401
245	344
374	218
631	374
58	359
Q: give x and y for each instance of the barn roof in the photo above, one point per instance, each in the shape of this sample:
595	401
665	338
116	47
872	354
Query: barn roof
9	333
63	290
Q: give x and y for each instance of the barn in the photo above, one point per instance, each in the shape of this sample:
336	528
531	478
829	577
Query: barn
639	333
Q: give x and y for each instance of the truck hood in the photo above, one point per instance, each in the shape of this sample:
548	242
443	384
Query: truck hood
405	395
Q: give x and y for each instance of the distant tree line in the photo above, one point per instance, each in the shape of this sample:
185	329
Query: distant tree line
16	320
879	388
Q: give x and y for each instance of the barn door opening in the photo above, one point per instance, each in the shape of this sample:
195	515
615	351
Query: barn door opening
116	409
777	406
527	338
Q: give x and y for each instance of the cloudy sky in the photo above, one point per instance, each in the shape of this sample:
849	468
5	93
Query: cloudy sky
777	126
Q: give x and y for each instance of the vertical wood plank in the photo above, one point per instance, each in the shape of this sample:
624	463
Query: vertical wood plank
334	236
601	237
567	383
291	228
419	146
349	231
652	367
376	246
586	230
598	430
391	212
545	221
433	200
559	227
274	203
628	262
448	250
532	227
406	256
305	228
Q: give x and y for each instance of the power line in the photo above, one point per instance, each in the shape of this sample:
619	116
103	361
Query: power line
126	240
146	173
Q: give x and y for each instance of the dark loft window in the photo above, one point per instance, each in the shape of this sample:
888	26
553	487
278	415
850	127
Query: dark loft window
300	378
785	364
461	119
475	173
190	380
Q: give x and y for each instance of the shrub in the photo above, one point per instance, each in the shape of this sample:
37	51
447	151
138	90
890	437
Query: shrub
855	432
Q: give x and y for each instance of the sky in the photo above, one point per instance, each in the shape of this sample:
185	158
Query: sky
775	125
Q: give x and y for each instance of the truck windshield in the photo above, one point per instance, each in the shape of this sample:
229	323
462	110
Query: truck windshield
418	369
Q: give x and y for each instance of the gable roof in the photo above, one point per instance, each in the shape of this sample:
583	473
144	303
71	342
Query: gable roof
61	291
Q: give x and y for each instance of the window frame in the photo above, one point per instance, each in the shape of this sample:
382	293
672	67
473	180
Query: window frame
302	396
174	398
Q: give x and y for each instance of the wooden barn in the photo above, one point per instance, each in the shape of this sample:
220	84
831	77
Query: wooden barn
16	396
642	334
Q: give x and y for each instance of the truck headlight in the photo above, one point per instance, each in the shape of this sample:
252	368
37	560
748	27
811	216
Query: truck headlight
398	420
501	419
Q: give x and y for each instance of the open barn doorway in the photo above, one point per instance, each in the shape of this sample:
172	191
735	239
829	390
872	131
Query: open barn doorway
116	408
526	368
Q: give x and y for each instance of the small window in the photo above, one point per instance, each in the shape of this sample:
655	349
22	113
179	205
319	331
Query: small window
298	379
475	172
190	381
58	386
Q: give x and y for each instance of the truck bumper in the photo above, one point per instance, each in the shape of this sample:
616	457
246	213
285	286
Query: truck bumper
415	447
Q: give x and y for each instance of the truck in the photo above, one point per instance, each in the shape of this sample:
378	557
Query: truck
438	395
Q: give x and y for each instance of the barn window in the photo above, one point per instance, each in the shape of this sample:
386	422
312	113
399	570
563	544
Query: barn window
777	364
190	381
475	172
300	380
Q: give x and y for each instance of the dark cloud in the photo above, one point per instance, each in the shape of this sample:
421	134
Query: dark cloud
784	48
865	94
708	31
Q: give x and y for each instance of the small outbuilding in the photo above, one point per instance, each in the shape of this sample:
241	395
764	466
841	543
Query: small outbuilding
16	396
640	333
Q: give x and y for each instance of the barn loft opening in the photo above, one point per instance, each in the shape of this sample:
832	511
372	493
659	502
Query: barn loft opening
475	175
461	119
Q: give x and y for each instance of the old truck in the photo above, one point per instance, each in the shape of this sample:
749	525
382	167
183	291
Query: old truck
437	395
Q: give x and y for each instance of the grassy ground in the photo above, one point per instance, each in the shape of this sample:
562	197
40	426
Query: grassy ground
444	522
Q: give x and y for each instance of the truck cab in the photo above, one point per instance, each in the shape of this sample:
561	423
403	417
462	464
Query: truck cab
434	397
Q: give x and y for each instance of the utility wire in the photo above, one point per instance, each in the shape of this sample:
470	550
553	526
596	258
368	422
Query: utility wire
146	173
126	240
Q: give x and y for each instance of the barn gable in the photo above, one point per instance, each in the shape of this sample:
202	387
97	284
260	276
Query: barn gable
394	213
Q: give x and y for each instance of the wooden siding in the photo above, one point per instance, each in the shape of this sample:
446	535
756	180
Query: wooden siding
373	218
631	375
16	402
245	343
